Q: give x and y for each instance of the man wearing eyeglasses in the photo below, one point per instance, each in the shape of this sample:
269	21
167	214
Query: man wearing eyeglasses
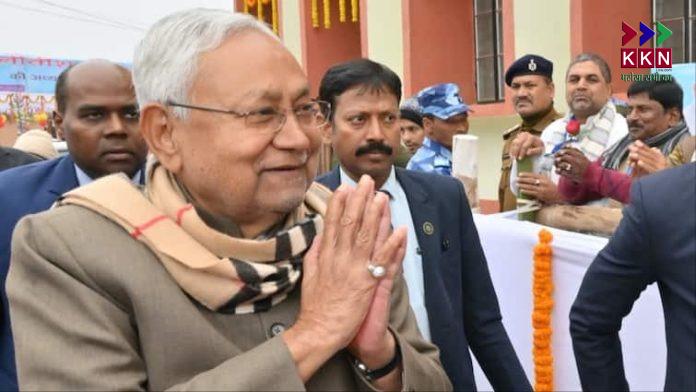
230	270
97	115
450	289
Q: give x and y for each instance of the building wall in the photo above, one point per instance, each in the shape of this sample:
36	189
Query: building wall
325	47
384	29
291	27
546	36
596	27
505	107
489	130
439	44
428	42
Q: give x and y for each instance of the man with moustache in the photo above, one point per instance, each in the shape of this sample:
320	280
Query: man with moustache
444	115
530	79
656	126
592	116
97	115
450	289
231	269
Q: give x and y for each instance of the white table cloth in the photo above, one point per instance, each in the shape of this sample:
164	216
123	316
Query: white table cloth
508	246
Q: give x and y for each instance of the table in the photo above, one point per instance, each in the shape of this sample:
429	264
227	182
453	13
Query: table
508	246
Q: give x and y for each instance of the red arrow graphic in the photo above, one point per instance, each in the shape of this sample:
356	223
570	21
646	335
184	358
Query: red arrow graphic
628	35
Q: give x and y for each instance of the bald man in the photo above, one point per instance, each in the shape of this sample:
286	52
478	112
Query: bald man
97	115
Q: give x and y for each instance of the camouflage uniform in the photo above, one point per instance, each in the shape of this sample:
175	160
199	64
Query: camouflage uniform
432	157
441	101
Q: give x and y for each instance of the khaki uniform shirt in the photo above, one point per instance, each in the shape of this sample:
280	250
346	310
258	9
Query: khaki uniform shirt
507	199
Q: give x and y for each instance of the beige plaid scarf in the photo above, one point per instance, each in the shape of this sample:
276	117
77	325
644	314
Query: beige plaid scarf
225	274
594	134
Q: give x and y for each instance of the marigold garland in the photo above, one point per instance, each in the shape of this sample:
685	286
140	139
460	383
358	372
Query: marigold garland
260	4
327	14
315	14
326	10
341	11
274	15
541	316
259	10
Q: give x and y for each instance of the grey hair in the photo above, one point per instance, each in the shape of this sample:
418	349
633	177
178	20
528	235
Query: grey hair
595	58
166	60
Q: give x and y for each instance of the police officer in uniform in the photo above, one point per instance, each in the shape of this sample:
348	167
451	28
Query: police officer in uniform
529	77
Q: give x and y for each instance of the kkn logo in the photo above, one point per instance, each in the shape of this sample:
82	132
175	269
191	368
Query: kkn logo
645	57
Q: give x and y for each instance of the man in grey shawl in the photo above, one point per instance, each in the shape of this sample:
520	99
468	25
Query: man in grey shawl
656	125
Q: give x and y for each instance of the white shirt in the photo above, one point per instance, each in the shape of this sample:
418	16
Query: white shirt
619	129
413	262
84	179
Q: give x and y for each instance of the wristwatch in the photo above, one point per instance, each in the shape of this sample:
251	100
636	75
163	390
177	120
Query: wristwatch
371	375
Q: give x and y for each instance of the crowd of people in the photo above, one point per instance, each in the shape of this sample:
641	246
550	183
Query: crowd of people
186	241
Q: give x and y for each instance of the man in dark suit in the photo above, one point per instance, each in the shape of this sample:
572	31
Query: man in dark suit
450	289
97	115
11	157
655	242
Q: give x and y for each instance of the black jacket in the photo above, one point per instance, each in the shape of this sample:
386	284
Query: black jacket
654	243
460	299
11	157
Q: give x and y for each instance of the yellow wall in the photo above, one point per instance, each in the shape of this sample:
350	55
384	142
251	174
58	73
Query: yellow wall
545	36
385	45
291	26
544	29
385	34
490	130
535	32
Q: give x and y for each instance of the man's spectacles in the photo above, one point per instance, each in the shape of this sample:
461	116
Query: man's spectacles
310	115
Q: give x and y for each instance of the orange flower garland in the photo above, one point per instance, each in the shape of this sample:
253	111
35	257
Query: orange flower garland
541	315
274	16
327	14
259	11
260	15
342	10
315	14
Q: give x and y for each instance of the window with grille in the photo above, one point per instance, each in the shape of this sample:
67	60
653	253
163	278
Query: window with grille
488	22
680	17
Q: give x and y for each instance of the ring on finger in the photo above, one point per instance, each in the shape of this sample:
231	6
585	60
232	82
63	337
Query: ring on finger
377	271
537	182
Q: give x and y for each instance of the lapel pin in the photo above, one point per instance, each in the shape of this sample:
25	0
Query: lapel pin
428	228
